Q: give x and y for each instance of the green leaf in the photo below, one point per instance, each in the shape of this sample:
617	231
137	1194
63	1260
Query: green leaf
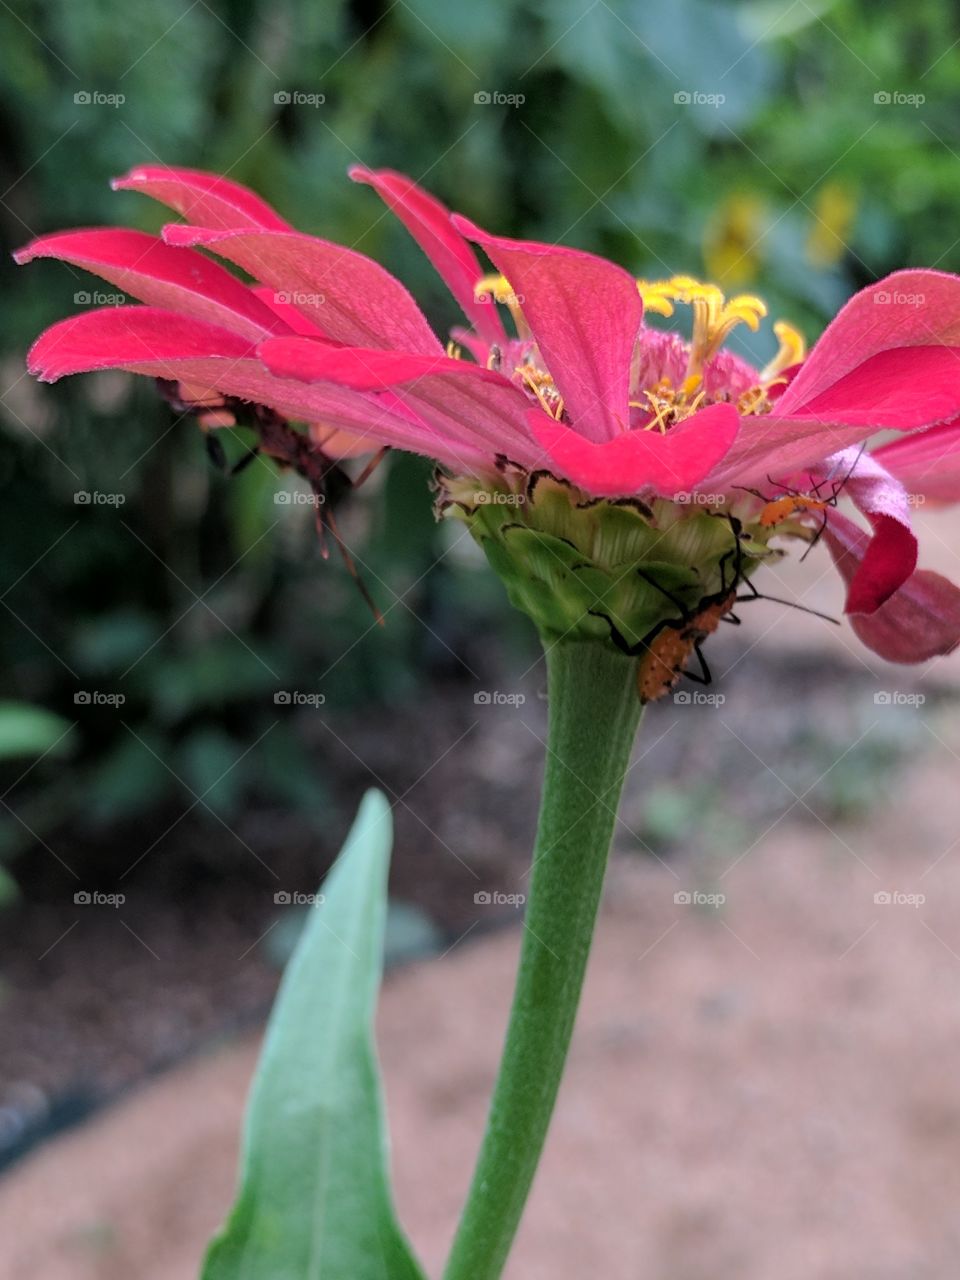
314	1200
26	730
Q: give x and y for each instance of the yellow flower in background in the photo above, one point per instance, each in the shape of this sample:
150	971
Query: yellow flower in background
732	239
834	213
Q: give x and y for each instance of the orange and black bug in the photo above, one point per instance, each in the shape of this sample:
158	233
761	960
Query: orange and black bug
671	648
794	502
665	651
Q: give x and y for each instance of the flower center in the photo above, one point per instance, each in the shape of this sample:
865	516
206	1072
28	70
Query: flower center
673	381
714	318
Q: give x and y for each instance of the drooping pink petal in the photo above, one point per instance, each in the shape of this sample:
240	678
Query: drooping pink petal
348	296
671	465
162	276
926	463
429	222
450	394
206	199
208	359
906	309
891	555
584	313
918	622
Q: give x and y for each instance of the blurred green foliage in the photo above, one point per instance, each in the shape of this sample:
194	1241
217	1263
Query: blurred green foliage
777	146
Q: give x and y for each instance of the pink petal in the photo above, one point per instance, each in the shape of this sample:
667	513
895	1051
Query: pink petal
891	555
162	344
918	622
295	320
584	313
363	368
121	337
670	464
204	198
453	395
900	389
350	297
906	309
428	221
152	271
927	463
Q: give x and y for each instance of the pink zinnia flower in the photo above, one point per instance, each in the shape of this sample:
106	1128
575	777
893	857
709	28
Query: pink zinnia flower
580	386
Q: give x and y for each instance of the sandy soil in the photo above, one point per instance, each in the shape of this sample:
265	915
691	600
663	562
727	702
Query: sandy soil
761	1089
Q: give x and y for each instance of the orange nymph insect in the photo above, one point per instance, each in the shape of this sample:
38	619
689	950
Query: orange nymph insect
779	509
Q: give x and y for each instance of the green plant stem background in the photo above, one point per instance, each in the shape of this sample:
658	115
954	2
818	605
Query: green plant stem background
594	714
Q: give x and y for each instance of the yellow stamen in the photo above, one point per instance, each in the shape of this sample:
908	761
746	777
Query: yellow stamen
498	288
713	316
453	351
792	350
656	297
542	386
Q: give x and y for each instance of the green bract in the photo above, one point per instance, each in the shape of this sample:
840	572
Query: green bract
606	569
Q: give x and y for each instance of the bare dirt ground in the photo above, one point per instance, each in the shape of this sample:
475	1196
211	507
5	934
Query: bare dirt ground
764	1088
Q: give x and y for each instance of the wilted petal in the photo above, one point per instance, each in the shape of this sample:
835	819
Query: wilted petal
891	555
584	313
670	464
918	622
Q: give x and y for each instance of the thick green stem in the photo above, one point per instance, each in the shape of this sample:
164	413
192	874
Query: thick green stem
594	713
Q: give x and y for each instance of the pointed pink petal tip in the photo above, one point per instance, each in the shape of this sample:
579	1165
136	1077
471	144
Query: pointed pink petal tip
671	465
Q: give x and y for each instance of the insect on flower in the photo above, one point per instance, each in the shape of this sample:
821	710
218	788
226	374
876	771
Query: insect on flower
559	371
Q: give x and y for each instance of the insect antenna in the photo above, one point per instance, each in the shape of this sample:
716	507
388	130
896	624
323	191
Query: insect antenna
790	604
